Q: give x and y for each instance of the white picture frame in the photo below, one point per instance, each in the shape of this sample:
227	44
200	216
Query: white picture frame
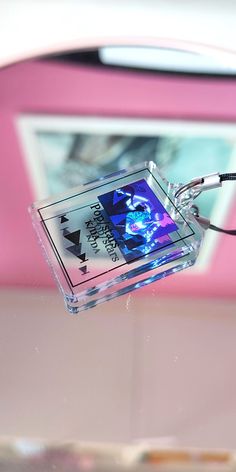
29	126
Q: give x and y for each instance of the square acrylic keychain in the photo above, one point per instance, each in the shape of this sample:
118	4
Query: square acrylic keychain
117	234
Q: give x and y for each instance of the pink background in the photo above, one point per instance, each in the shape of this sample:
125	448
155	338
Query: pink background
57	89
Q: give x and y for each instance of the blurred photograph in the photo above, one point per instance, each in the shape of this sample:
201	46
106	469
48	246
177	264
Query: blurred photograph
70	151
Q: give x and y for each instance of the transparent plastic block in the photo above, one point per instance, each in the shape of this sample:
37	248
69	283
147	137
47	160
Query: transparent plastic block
115	235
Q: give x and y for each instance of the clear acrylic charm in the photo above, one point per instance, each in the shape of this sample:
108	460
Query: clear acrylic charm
116	234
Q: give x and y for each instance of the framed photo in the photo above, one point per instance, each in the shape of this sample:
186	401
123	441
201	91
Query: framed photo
64	124
68	151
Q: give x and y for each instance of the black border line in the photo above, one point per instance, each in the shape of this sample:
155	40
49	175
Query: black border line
106	183
59	260
55	250
89	190
117	267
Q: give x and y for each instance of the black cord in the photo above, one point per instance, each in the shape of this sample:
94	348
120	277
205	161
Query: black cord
231	176
232	232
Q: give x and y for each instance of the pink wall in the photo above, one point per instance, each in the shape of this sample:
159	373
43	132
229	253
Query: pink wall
57	89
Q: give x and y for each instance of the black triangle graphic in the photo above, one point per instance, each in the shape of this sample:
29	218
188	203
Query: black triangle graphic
64	219
84	270
65	231
74	237
82	257
75	250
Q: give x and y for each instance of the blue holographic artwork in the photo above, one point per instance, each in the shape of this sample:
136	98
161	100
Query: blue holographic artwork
140	223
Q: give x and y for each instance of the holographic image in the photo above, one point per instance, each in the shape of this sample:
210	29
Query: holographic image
140	223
